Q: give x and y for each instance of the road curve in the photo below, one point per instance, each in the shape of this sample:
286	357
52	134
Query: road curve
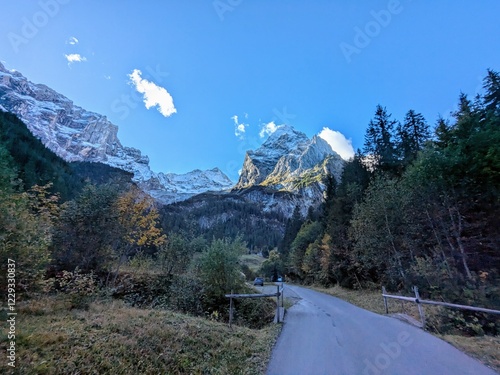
325	335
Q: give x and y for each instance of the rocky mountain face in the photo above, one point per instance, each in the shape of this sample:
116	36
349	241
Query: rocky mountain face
76	134
288	170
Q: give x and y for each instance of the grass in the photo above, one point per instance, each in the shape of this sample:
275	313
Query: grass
253	261
484	348
110	337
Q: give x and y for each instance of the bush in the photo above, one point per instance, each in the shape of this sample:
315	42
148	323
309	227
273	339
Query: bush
186	295
79	288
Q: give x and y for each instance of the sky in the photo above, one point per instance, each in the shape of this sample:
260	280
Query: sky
195	84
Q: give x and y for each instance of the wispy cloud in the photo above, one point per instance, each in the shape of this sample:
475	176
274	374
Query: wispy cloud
75	57
72	40
239	128
338	142
154	95
268	129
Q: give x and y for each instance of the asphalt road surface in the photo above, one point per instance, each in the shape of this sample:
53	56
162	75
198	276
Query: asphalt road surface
325	335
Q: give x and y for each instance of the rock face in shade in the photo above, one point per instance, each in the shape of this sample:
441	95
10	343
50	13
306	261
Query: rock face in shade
76	134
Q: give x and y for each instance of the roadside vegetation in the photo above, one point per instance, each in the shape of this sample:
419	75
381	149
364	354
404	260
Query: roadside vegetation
112	337
102	287
418	206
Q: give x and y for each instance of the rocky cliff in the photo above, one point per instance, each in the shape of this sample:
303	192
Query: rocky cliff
76	134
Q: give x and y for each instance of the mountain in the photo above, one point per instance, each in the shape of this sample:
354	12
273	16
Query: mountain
171	187
76	134
289	169
35	164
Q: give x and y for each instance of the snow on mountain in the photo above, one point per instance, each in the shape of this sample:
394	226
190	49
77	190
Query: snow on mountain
288	170
76	134
171	187
287	159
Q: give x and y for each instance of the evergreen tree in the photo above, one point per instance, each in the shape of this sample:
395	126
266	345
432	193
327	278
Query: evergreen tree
412	135
379	141
291	229
492	95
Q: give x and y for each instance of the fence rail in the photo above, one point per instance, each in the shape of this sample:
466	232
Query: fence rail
420	302
279	310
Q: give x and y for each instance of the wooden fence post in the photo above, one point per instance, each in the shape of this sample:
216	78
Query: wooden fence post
231	310
282	296
277	303
385	300
420	309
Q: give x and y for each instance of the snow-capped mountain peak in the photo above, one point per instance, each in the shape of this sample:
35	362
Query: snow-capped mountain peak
76	134
285	157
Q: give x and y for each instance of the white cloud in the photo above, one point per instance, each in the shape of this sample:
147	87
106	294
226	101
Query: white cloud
153	95
268	129
75	57
338	142
239	129
72	40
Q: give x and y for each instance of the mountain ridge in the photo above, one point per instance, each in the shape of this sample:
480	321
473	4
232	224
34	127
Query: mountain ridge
76	134
287	170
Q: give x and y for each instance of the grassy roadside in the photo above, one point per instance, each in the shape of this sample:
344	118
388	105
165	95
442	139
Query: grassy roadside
110	337
484	348
253	261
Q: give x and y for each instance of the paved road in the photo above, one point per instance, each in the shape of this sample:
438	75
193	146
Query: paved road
325	335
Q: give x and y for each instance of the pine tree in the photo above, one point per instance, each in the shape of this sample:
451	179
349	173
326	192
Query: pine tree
379	142
412	135
492	96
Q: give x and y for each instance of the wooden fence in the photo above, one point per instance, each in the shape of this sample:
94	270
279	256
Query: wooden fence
419	302
279	310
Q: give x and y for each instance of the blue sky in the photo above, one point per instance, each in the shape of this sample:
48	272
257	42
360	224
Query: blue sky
312	64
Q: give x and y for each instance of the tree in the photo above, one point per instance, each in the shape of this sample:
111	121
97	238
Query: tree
378	228
308	233
412	135
25	228
273	266
138	223
492	95
174	255
291	229
219	270
379	142
87	231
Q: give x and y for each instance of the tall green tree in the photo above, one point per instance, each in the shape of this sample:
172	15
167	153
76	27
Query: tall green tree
491	85
88	230
219	270
379	141
411	136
